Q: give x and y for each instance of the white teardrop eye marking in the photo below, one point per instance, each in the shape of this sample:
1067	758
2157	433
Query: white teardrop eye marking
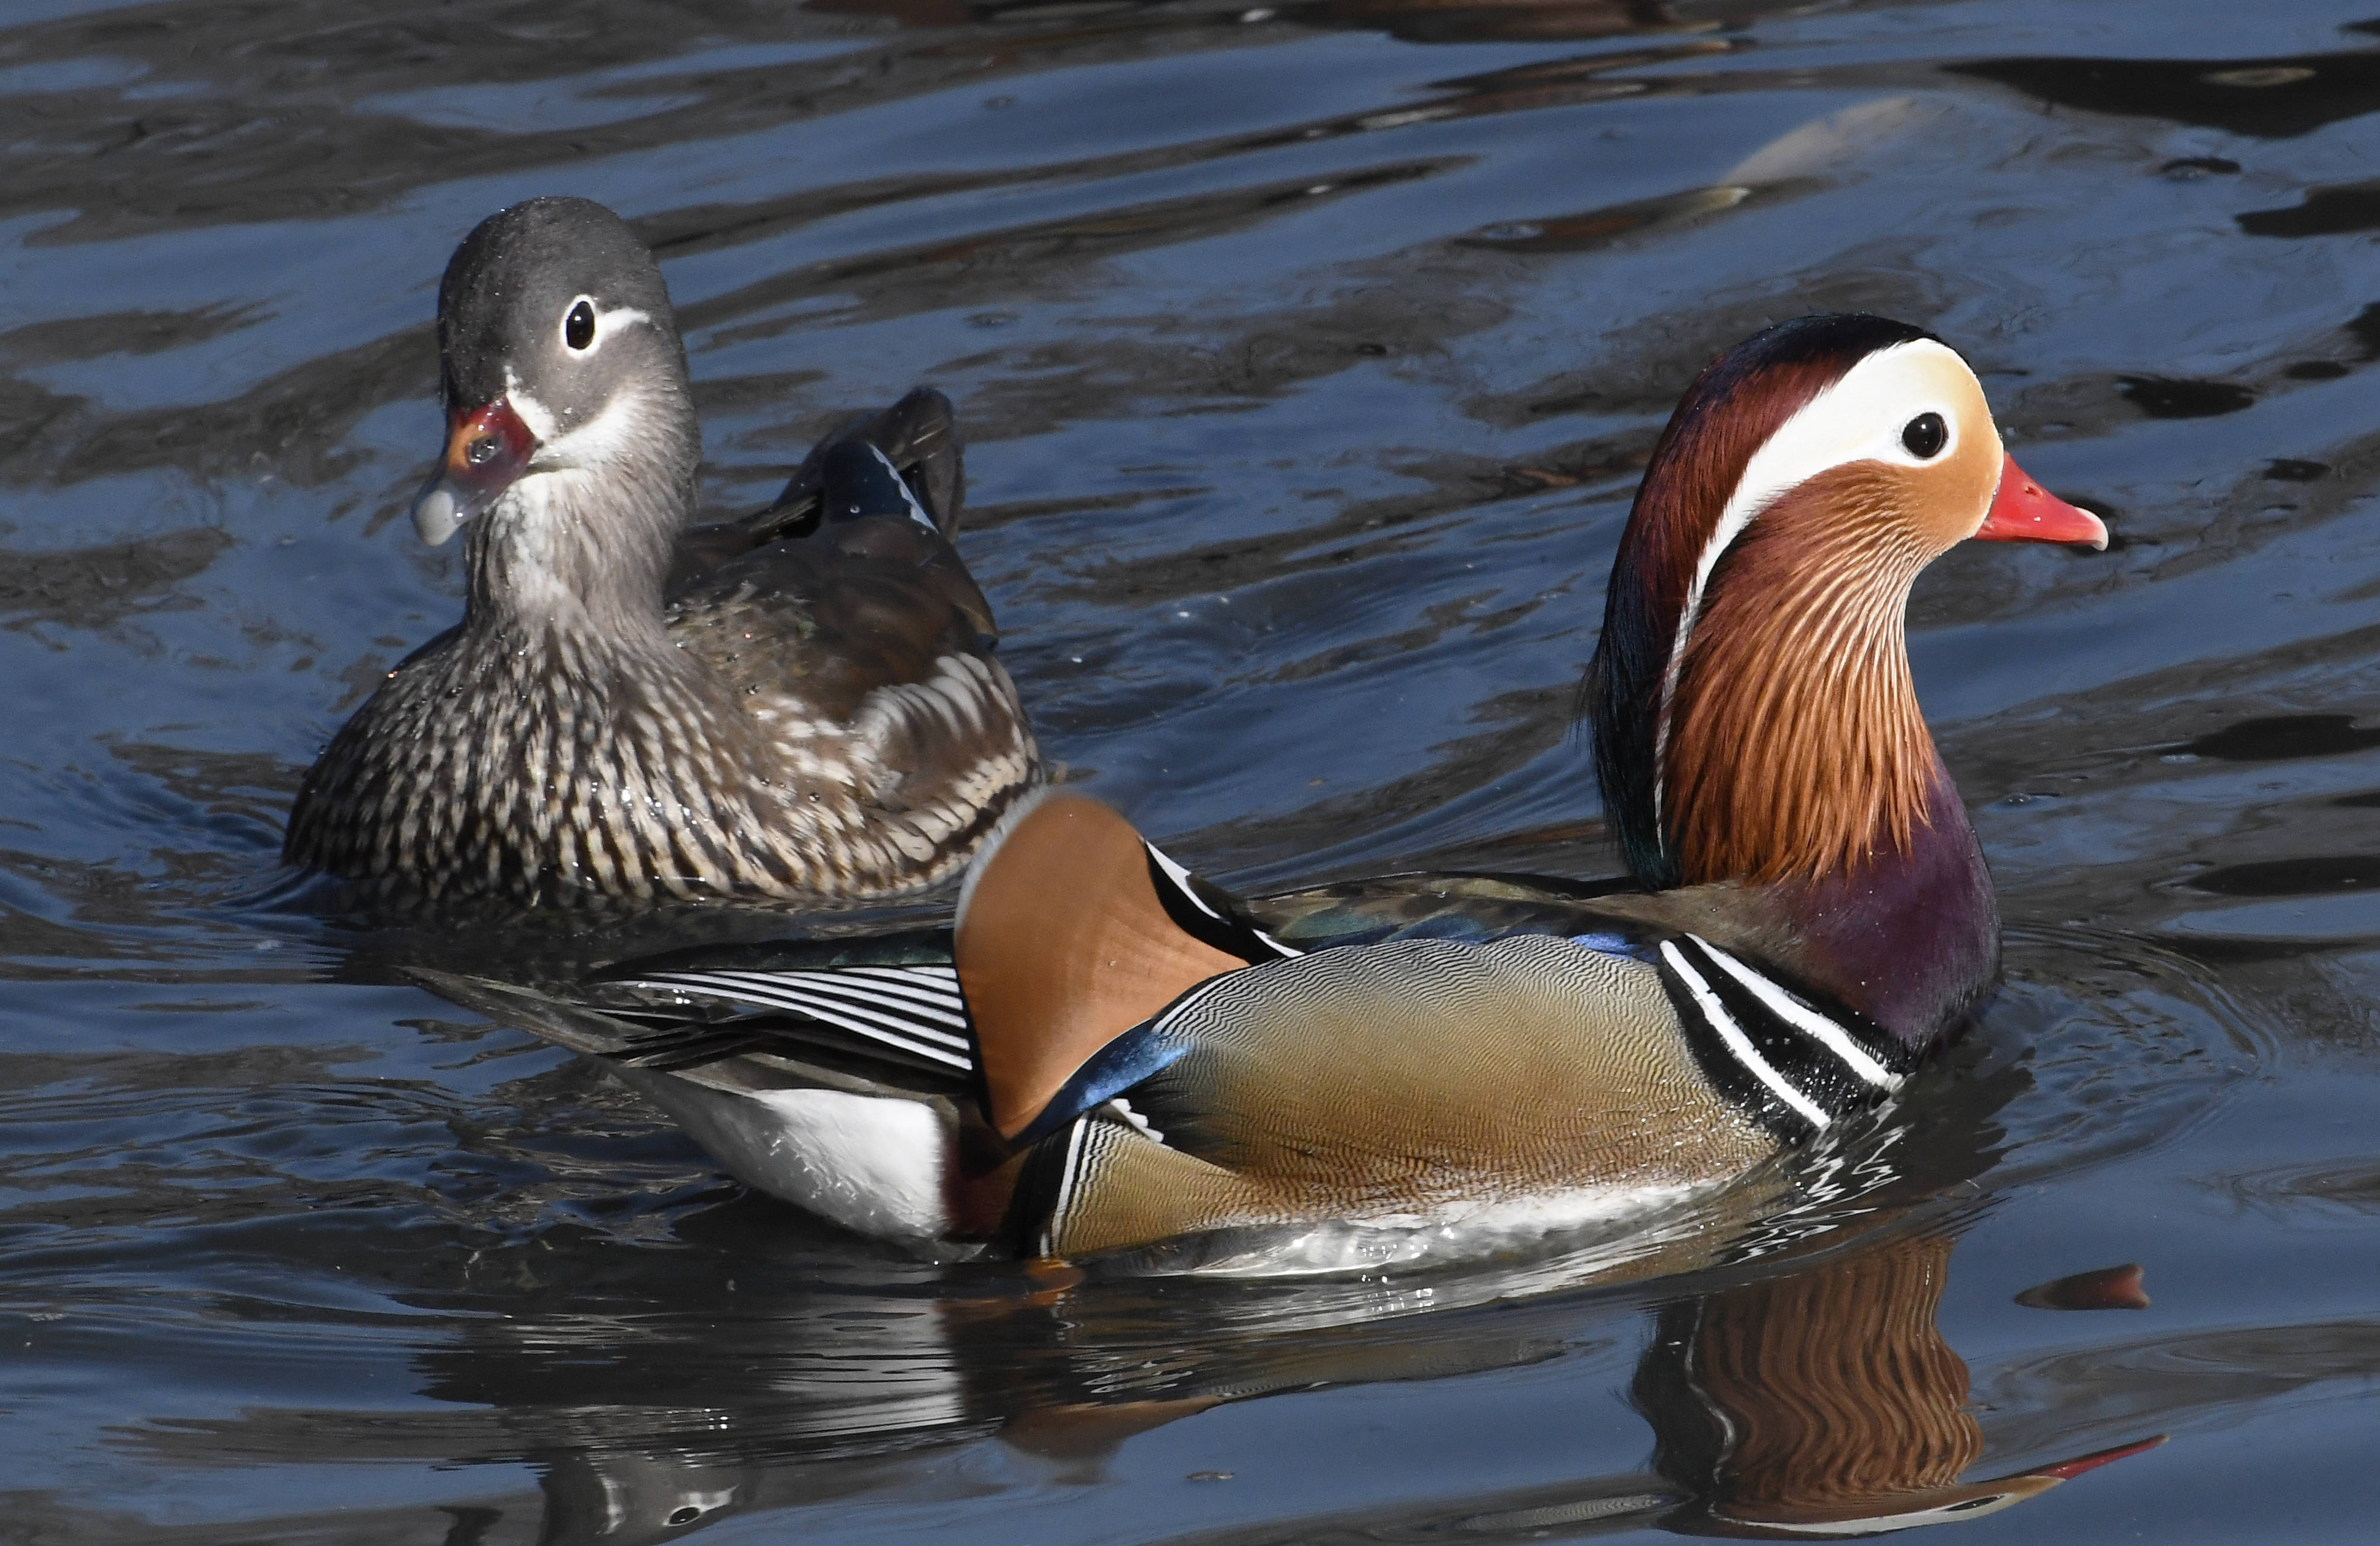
1866	416
585	324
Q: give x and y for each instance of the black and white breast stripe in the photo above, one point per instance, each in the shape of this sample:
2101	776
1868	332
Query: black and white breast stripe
913	1011
1792	1067
1055	1174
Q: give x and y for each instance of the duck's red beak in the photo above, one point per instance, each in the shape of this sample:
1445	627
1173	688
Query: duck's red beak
487	448
2023	511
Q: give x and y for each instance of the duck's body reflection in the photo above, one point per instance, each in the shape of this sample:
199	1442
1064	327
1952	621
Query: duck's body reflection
1771	1366
1816	1399
1822	1401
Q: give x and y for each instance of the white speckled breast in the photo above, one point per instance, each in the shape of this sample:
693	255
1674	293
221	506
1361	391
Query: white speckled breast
550	767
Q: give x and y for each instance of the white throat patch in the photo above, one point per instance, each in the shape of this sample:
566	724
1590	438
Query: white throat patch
534	416
591	444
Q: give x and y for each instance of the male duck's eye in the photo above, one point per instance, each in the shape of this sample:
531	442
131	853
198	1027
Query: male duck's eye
578	328
1925	435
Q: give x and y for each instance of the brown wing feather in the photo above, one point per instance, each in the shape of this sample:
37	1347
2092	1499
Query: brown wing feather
1063	945
827	619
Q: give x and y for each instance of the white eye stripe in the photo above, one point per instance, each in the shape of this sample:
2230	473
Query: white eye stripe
606	322
609	322
1859	418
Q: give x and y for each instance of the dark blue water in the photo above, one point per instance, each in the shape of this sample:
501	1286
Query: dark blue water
1308	356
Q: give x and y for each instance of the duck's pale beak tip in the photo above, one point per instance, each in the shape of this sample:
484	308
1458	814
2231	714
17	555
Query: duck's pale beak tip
438	513
2023	511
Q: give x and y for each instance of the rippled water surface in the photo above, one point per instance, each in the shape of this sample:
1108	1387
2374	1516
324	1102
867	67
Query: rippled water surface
1308	356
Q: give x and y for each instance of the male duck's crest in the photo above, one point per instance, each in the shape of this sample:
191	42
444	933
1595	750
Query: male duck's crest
802	705
1753	714
1108	1053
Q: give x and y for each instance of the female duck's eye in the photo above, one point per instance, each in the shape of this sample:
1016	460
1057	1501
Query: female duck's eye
578	328
1925	435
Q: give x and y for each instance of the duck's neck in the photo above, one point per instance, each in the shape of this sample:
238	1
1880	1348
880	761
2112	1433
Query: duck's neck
1775	742
1910	937
1760	724
1788	739
575	553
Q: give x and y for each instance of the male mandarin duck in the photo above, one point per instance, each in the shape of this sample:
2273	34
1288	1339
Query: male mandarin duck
802	705
1107	1052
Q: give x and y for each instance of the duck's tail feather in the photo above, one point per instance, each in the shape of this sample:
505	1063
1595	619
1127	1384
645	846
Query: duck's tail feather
917	436
575	1027
911	1015
902	1026
1073	931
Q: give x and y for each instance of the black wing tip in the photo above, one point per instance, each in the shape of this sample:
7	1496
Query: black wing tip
919	435
484	994
857	481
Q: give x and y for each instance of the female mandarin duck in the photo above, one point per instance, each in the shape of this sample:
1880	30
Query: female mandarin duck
802	705
1108	1053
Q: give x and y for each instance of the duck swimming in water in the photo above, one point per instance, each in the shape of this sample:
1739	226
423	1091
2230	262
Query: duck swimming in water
801	706
1108	1051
